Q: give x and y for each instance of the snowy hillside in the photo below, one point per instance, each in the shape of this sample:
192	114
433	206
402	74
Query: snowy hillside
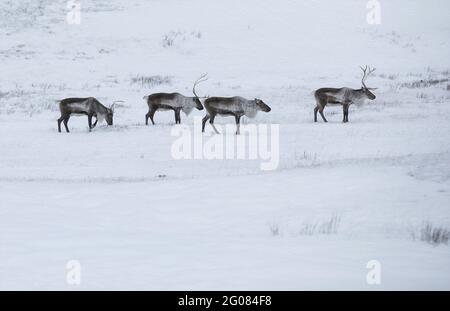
118	202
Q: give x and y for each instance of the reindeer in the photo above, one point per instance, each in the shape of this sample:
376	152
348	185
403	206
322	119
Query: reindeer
84	106
232	106
173	101
343	96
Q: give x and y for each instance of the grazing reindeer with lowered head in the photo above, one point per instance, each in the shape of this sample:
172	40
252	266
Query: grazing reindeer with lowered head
343	96
173	101
232	106
84	106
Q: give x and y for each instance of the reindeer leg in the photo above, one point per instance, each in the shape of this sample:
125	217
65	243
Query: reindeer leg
348	108
211	121
90	122
315	113
205	118
345	113
152	113
149	114
59	123
95	123
321	114
177	116
323	103
215	130
66	120
238	125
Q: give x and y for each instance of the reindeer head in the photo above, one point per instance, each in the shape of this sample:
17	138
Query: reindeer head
109	115
198	104
261	105
366	90
196	99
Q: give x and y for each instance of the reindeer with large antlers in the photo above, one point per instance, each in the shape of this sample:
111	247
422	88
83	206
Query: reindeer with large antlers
173	101
343	96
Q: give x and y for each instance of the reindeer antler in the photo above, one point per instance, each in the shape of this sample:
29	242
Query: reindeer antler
114	104
202	78
366	74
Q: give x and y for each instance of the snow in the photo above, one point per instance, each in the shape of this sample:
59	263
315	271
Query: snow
117	201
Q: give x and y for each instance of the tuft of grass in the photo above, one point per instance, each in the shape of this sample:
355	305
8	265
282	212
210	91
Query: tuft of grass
274	229
423	83
431	234
389	77
151	81
170	39
327	226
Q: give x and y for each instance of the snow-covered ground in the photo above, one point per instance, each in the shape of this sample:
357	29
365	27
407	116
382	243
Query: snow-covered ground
134	217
